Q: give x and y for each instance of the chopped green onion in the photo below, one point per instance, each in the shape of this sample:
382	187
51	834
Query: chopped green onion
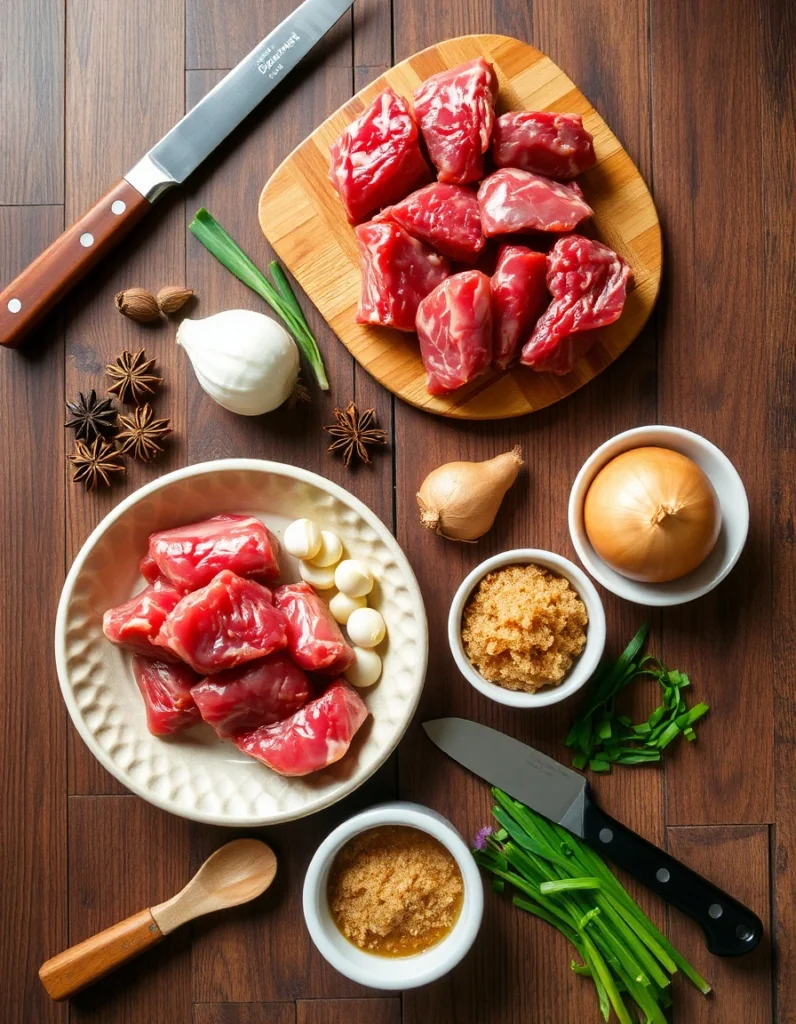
601	738
280	298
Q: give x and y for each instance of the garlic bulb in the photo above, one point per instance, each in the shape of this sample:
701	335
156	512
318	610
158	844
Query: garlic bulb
244	360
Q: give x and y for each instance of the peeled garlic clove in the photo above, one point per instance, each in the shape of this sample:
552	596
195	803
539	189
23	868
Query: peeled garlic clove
331	549
366	627
320	577
460	500
354	578
244	360
365	669
341	606
302	539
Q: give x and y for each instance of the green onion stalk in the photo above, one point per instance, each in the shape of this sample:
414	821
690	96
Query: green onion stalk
278	295
559	879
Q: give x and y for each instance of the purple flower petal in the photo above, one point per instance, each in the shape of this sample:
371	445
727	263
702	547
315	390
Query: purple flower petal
481	837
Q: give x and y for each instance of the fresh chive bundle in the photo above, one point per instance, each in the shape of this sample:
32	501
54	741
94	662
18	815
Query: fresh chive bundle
602	738
280	298
564	882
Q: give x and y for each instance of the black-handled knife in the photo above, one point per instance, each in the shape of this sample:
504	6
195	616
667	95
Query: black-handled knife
563	796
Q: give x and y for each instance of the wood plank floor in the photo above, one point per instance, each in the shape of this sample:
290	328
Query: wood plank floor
703	96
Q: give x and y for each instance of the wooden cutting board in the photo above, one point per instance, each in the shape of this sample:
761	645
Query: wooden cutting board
302	217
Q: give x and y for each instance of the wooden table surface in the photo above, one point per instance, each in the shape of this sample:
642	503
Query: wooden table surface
703	95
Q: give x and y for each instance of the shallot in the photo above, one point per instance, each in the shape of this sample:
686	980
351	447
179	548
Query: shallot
460	500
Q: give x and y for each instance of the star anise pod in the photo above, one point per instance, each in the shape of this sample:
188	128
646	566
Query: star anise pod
92	417
139	433
354	432
95	462
132	377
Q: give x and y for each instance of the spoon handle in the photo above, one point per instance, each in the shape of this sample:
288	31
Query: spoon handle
71	971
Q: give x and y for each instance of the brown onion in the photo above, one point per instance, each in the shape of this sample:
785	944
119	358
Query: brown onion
652	515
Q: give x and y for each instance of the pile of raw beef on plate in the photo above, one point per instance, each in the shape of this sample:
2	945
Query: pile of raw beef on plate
213	643
541	306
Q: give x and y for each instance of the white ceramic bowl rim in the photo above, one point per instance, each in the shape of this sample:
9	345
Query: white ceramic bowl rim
734	508
216	466
392	973
584	667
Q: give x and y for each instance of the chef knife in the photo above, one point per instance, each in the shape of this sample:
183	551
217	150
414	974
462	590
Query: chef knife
562	795
38	288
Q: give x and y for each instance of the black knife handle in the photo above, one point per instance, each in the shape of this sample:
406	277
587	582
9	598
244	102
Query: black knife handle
730	928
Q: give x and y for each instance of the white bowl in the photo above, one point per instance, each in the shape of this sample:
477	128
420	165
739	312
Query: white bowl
194	774
392	972
583	668
734	516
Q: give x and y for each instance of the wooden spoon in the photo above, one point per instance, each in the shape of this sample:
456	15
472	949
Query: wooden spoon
234	874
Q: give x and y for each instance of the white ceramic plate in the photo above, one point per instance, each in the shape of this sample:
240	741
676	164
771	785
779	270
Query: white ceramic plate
194	774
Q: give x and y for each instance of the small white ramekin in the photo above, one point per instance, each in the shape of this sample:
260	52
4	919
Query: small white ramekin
391	973
732	500
583	668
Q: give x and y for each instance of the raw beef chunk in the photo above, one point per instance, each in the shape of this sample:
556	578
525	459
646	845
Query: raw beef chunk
258	693
519	297
166	689
556	145
455	110
397	272
512	200
226	623
313	738
377	160
454	326
588	282
191	556
313	637
136	623
446	217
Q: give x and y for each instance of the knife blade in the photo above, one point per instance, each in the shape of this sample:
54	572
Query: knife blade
169	162
562	795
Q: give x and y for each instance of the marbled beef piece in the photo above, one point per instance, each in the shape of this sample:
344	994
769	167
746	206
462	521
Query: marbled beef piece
190	556
555	145
588	282
446	217
377	160
397	272
511	200
519	297
166	689
135	624
455	110
226	623
454	326
259	693
313	738
313	637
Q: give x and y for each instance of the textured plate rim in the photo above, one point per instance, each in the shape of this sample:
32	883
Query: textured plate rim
199	469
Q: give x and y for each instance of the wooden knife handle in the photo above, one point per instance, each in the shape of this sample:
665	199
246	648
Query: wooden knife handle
38	288
81	965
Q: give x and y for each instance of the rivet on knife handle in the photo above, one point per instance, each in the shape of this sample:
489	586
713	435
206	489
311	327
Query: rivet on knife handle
730	928
39	287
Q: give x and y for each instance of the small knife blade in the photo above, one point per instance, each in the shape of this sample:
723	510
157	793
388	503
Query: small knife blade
203	128
55	271
562	795
550	788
